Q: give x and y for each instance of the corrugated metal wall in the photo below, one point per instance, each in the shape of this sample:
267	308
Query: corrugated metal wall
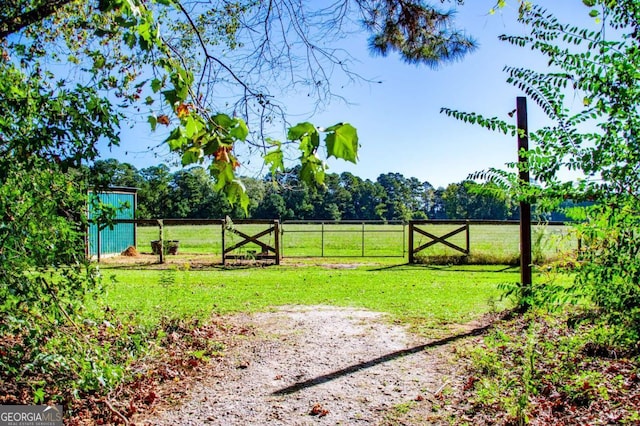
116	240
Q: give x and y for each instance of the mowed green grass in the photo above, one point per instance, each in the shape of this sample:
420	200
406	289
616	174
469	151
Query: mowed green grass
432	301
497	242
427	298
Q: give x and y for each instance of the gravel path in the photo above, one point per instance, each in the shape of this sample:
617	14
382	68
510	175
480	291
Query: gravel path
315	365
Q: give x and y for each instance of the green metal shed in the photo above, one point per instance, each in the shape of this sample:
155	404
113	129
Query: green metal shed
115	239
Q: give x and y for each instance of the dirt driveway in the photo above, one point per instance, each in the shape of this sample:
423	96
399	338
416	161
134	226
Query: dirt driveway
314	365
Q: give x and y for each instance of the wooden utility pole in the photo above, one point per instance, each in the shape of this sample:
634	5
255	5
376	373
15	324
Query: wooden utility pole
525	208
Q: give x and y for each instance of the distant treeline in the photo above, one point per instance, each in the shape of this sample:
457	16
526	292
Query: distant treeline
190	193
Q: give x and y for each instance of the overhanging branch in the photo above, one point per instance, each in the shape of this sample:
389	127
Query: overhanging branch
14	24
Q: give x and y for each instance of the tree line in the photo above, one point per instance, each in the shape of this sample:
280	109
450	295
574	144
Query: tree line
190	193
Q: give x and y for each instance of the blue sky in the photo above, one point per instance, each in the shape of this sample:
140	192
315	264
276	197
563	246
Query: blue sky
399	121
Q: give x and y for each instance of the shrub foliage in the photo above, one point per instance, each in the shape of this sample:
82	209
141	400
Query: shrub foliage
597	141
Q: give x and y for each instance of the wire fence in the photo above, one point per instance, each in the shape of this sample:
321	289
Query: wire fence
215	241
319	238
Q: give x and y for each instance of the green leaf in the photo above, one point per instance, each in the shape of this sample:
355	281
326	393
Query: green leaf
99	61
308	136
211	143
223	120
312	170
275	160
342	142
144	31
299	130
192	126
175	140
240	131
594	13
223	174
237	193
181	80
107	5
101	32
38	395
156	85
129	39
153	121
191	155
171	97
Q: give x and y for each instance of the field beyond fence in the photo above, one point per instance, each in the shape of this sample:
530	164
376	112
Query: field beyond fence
489	243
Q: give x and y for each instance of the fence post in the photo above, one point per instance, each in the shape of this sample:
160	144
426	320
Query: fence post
525	208
281	236
276	226
322	240
223	227
135	223
468	239
99	241
404	238
362	239
161	238
411	259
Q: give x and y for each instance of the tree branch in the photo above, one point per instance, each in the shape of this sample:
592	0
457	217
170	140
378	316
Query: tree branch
13	24
208	56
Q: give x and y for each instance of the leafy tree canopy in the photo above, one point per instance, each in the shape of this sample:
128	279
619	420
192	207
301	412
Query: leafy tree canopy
206	69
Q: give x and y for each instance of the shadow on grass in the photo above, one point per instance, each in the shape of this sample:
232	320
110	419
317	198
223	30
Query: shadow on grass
449	268
372	363
196	266
129	266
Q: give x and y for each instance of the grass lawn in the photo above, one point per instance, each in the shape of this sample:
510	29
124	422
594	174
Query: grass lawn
424	297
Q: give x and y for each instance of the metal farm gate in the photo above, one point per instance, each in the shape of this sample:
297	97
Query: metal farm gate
344	238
